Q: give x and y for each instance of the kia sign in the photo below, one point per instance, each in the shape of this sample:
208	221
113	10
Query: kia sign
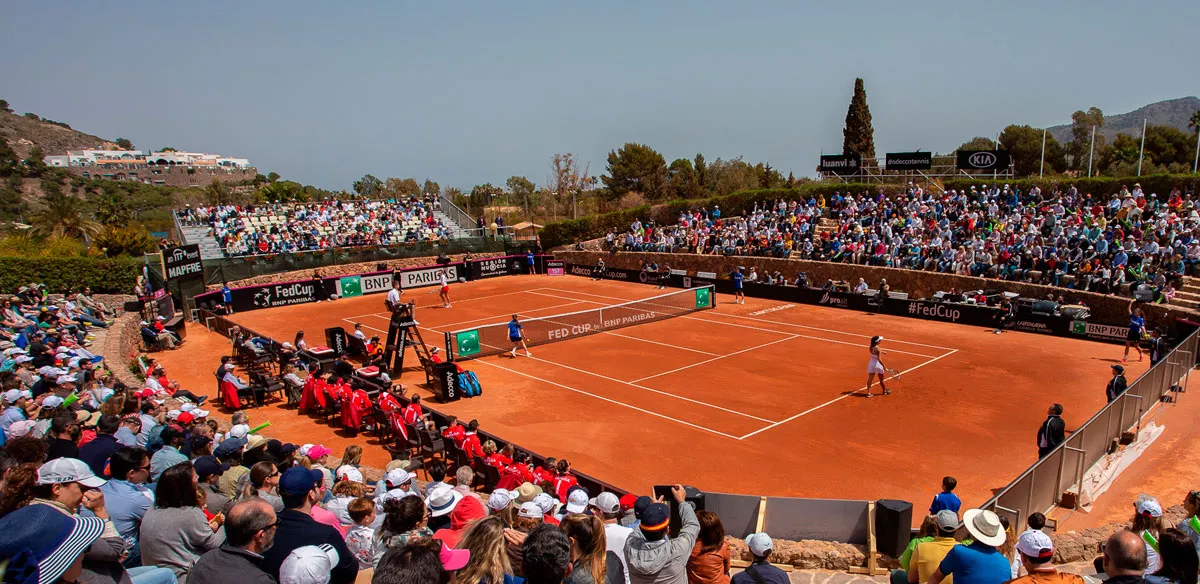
984	160
182	262
428	276
841	163
909	160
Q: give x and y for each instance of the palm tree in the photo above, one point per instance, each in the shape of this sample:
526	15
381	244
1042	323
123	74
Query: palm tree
1194	121
61	217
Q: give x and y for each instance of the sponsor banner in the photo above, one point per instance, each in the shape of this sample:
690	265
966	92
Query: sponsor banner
1100	332
1032	326
349	287
421	277
376	283
707	275
909	160
840	163
609	273
493	267
272	295
556	268
984	160
933	310
182	262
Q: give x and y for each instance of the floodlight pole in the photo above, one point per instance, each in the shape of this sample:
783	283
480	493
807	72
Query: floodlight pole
1042	167
1090	149
1142	150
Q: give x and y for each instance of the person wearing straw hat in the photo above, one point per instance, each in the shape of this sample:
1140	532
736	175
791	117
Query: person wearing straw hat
980	562
45	546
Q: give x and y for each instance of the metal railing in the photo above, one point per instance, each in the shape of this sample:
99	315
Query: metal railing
1041	486
455	214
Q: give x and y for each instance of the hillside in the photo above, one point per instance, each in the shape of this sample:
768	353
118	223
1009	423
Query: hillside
22	134
1172	112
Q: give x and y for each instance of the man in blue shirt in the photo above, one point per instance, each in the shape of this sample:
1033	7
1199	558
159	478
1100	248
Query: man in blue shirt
739	295
126	497
761	546
529	262
169	455
516	335
96	452
946	499
980	562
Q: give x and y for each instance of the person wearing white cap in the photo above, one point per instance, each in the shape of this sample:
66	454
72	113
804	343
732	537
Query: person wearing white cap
608	508
760	570
309	564
980	562
577	502
500	501
1036	552
398	484
1147	523
18	406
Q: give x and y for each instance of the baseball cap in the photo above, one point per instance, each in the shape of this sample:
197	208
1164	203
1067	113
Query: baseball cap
606	503
199	413
62	379
299	480
207	466
577	501
530	510
317	452
628	500
398	476
185	418
640	505
68	470
310	564
52	402
1148	506
11	396
453	559
546	503
499	500
348	473
239	431
656	517
173	414
229	446
187	407
22	428
947	520
43	542
1035	544
759	543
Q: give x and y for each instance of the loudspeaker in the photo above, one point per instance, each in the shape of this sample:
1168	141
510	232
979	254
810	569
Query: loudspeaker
381	267
335	338
447	381
893	526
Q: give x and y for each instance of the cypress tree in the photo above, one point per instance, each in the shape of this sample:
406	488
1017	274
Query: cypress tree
859	137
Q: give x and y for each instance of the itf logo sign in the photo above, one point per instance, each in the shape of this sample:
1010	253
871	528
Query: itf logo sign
703	297
466	343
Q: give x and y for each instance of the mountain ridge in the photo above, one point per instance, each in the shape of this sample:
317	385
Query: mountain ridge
1168	112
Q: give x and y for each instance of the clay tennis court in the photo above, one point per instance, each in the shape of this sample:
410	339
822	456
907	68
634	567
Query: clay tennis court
761	398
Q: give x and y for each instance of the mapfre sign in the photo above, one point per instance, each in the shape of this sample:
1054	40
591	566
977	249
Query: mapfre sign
182	262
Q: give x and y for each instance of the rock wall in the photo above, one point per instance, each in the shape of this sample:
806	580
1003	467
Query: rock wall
1084	545
120	345
1105	308
812	554
349	269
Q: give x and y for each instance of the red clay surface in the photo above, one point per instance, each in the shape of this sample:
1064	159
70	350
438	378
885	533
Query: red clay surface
734	399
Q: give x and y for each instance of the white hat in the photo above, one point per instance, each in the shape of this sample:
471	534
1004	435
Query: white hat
61	379
606	503
577	501
11	396
199	413
985	527
68	470
173	414
23	359
546	502
74	362
348	473
187	407
397	477
144	323
442	500
1036	545
303	451
52	402
499	500
1148	506
530	510
19	429
759	543
241	430
310	564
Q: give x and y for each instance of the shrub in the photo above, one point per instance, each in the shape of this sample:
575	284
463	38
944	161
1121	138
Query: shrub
116	275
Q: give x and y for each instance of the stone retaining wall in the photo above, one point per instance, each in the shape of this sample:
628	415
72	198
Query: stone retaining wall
1105	308
121	345
349	269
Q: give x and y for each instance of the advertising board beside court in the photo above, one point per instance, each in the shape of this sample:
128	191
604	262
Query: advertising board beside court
182	262
430	276
377	282
556	268
493	267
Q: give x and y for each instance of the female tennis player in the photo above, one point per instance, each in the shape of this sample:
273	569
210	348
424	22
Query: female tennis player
516	335
875	367
1137	327
445	293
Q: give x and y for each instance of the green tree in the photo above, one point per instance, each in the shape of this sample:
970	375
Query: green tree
277	192
124	144
859	137
32	116
636	168
481	196
1025	145
167	149
397	187
978	143
112	208
730	176
768	177
35	163
701	169
681	176
4	107
61	216
368	186
1120	157
1194	121
1081	136
273	177
216	193
521	189
431	188
10	163
1166	146
457	197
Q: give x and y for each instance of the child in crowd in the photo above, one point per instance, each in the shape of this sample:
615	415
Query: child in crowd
946	499
360	538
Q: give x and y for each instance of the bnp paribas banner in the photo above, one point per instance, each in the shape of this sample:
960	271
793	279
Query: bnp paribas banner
350	286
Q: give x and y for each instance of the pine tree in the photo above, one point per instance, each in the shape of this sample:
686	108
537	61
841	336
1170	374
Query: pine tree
859	137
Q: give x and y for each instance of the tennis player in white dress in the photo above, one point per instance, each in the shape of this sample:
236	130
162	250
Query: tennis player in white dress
875	367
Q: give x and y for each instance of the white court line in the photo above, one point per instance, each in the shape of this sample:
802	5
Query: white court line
801	336
838	399
716	358
507	314
610	400
663	344
779	322
384	315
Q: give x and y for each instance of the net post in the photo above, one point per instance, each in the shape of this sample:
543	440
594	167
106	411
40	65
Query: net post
449	350
712	294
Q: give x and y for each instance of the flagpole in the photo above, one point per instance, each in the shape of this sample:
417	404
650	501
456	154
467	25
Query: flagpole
1196	164
1142	150
1042	167
1090	148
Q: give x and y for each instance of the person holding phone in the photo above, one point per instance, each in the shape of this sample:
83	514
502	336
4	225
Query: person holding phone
653	557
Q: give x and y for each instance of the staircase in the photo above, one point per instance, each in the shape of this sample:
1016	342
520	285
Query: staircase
1189	295
825	226
209	248
456	230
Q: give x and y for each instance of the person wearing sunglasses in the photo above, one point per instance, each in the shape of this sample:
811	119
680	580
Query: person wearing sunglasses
126	496
250	528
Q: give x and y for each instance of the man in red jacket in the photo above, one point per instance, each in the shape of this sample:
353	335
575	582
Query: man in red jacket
471	446
454	431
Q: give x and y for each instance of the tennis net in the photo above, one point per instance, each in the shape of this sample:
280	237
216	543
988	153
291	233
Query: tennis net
492	339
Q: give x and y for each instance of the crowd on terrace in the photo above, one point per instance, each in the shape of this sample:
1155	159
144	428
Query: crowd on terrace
281	228
102	483
1063	238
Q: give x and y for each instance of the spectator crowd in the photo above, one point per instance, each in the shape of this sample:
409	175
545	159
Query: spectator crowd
282	228
1064	238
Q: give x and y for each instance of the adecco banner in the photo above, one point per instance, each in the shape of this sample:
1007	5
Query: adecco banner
613	274
556	268
376	283
182	262
420	277
909	160
493	267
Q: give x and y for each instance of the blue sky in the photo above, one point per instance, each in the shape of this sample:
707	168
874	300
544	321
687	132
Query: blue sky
473	92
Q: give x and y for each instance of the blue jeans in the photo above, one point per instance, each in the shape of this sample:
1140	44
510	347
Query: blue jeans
152	575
